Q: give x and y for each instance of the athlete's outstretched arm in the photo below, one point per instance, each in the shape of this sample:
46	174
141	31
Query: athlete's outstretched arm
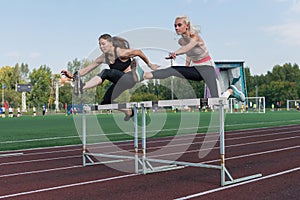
96	63
135	52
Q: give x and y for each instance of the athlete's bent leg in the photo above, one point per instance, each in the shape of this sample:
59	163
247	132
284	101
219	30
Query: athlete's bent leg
92	83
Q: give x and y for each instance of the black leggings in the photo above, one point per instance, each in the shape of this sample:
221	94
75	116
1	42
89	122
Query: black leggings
121	82
195	73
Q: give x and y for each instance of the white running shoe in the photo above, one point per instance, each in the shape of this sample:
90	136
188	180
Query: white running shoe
237	94
138	72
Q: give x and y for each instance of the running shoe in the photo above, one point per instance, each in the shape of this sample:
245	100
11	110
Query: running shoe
129	116
78	85
235	80
237	94
138	72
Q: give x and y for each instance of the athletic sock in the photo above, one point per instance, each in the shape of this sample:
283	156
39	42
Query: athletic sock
226	94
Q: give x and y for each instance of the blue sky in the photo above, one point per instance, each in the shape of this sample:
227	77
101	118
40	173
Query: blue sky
263	33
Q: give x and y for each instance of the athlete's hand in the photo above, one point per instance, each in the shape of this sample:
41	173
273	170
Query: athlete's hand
66	74
172	55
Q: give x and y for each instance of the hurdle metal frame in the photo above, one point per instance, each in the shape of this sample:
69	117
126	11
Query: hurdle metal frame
87	157
145	162
219	102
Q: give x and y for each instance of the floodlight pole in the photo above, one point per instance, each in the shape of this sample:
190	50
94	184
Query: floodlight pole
172	83
56	95
24	108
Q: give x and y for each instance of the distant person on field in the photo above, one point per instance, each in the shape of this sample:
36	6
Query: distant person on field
10	112
19	112
34	111
44	109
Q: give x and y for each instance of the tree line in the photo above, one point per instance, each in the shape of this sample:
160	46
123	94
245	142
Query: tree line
280	84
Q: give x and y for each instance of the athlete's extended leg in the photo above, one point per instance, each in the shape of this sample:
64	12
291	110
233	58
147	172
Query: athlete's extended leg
189	73
195	73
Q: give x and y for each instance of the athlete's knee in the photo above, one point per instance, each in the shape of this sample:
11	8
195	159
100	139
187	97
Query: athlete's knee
104	73
148	75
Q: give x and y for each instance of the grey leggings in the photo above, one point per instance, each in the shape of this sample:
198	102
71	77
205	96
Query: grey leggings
195	73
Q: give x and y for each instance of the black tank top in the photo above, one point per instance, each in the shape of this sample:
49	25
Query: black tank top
118	64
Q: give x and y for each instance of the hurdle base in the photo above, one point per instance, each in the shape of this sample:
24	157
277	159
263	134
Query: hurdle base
151	169
88	160
224	172
160	169
242	179
170	165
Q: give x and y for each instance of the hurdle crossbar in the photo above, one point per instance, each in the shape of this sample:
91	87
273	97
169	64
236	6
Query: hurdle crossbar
118	106
179	102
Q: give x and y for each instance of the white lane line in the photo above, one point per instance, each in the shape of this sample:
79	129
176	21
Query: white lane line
11	154
40	160
238	184
66	186
37	139
217	147
40	171
255	154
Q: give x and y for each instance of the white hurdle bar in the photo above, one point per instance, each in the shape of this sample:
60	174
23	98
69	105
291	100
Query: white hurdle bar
219	102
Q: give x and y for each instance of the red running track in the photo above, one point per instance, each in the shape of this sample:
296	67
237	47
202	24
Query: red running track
57	173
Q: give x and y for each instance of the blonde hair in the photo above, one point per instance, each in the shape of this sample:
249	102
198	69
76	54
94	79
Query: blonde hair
193	29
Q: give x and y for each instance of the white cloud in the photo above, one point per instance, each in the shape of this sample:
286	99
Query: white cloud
288	33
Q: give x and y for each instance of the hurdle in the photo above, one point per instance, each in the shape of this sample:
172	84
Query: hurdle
88	158
216	102
144	164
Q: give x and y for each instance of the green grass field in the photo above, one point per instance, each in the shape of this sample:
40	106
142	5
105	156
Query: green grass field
56	130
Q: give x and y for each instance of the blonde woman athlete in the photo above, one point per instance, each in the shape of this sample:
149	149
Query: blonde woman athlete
199	65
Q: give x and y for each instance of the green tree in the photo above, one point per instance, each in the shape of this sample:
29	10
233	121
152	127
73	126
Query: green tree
9	79
13	98
280	84
24	72
41	85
